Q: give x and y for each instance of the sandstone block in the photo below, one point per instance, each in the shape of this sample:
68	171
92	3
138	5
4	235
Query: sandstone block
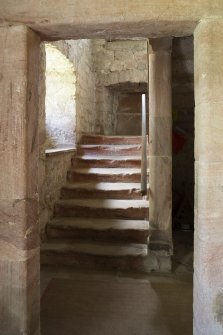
116	66
160	179
209	130
208	64
160	136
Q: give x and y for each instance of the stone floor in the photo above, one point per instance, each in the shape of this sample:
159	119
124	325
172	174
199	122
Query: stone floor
96	303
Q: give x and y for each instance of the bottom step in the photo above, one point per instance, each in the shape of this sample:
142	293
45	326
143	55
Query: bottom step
98	256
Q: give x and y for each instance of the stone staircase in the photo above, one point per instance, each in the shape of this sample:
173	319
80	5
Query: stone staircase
100	222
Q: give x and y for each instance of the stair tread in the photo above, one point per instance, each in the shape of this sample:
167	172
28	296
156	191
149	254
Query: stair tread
111	157
102	212
95	248
110	146
112	136
102	186
110	171
104	203
98	224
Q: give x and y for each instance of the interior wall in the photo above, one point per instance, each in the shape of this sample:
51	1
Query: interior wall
70	111
99	64
80	53
60	107
53	176
19	147
115	62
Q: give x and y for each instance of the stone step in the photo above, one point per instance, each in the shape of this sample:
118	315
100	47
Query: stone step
103	208
109	150
101	190
133	231
107	162
101	139
94	255
126	175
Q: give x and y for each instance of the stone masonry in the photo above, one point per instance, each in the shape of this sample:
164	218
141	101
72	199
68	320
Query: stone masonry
117	62
19	251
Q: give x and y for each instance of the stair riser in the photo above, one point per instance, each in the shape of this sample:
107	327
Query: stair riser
73	176
100	151
106	163
84	261
109	235
110	140
100	194
117	213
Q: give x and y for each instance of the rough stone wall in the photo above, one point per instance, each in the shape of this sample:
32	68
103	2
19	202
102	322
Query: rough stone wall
79	52
183	124
99	66
117	62
60	109
56	165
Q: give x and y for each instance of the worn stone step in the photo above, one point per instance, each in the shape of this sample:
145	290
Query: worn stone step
133	231
109	150
103	208
101	190
94	255
107	162
102	139
104	175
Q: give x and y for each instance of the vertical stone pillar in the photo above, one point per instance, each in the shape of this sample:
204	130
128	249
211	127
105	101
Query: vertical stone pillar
208	236
19	232
160	144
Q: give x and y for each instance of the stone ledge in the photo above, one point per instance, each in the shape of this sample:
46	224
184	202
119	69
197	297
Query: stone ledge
60	150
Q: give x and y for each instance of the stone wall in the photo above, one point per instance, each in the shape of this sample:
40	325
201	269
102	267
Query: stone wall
80	53
98	67
60	109
208	209
81	117
19	146
117	62
56	164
